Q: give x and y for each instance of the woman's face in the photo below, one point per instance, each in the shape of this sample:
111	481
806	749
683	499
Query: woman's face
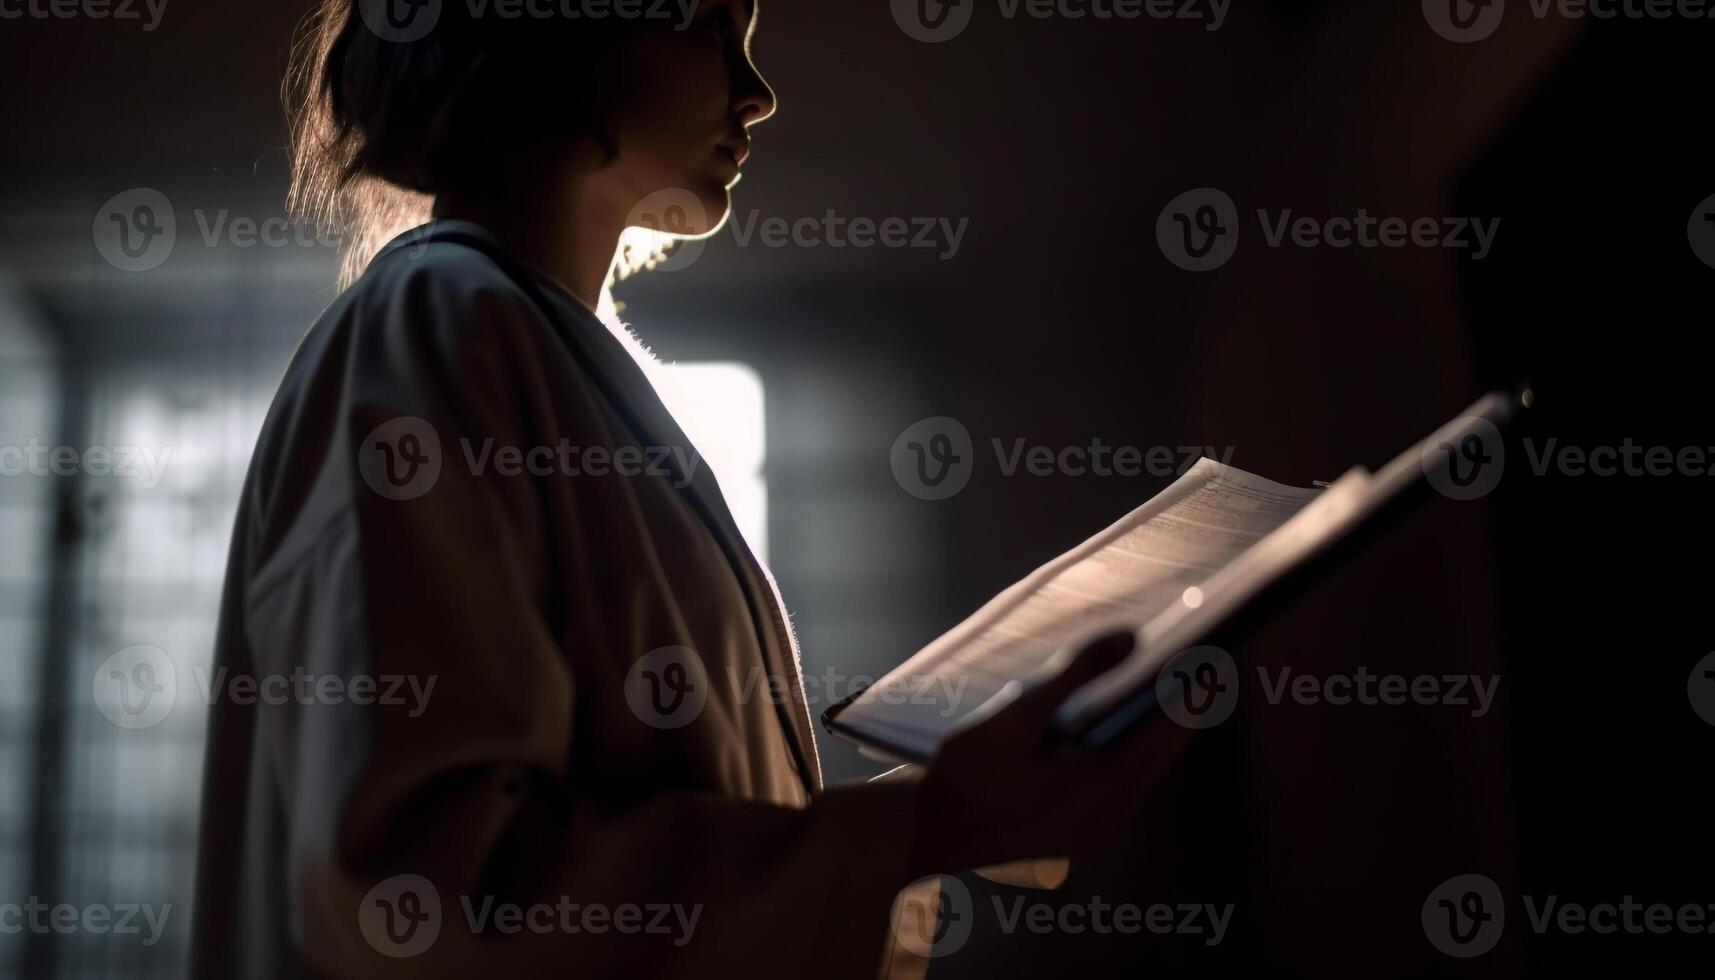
681	130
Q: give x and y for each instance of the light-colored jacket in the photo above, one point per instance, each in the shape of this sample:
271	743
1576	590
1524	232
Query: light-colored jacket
550	806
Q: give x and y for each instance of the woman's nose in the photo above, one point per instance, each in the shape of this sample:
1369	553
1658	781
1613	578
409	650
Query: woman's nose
753	100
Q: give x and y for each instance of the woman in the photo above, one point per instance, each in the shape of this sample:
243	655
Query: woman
540	806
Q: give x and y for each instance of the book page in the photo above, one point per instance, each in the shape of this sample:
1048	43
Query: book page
1123	577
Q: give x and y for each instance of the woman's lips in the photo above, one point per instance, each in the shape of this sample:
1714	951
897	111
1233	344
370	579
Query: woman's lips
736	151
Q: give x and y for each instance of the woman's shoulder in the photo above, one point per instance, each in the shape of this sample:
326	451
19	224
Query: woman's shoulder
437	276
435	331
434	298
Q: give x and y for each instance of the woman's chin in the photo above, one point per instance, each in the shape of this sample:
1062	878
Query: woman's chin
717	204
690	211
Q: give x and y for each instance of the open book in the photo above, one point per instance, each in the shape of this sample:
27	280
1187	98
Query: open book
1172	571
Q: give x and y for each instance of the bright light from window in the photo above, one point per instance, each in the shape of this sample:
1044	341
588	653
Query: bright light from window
719	404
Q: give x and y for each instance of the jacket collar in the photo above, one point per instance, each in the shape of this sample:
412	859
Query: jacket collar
628	391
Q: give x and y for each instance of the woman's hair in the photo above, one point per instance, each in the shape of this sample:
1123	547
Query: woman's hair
384	120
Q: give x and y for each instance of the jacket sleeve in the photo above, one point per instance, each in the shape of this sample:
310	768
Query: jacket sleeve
430	834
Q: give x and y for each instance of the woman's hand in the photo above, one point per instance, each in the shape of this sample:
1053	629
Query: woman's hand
998	791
